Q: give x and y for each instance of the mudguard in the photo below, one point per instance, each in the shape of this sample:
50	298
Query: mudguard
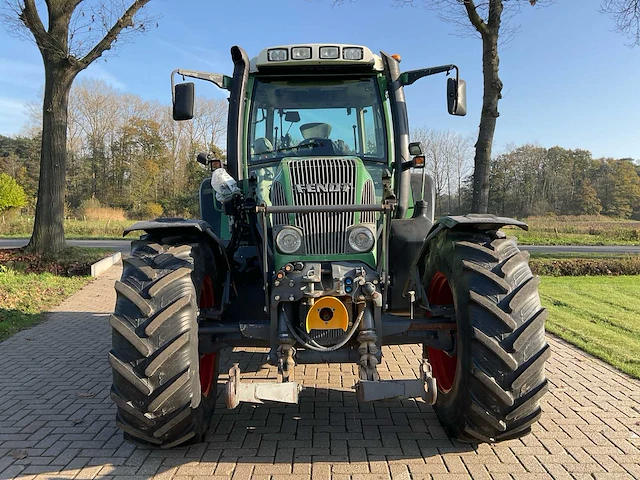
469	222
200	226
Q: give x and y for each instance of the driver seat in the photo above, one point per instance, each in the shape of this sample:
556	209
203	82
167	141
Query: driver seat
316	139
315	130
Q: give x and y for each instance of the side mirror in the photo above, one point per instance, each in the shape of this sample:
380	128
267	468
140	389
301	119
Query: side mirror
209	161
457	97
203	158
183	101
415	148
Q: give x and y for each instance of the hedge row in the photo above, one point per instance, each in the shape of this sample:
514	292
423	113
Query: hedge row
582	266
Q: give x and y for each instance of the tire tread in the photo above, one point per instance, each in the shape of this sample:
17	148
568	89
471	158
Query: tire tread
505	330
156	383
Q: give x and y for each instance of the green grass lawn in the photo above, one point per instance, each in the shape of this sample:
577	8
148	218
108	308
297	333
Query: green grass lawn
24	297
600	315
31	285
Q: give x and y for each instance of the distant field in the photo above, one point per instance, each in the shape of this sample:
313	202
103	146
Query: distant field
579	230
547	230
22	226
600	316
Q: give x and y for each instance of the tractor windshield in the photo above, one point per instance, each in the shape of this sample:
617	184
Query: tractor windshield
316	117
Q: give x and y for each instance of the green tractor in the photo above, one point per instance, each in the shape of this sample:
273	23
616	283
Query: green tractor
318	240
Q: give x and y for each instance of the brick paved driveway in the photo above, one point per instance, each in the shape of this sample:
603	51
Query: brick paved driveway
56	419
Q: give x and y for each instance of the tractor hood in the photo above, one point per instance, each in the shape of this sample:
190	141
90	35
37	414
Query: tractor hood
310	181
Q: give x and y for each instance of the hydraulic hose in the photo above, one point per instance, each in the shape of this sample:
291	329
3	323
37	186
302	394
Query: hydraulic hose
320	348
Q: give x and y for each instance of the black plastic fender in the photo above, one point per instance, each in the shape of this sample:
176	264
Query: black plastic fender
471	222
200	226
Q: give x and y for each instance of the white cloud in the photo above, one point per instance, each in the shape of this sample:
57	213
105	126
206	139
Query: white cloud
23	82
14	114
98	72
22	74
203	56
31	75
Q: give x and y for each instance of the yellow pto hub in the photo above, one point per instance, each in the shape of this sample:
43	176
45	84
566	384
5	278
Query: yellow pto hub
327	313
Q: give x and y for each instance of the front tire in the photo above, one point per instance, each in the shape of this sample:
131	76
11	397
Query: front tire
164	389
490	389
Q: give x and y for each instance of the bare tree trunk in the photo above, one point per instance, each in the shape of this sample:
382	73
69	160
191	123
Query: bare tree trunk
489	116
48	230
61	66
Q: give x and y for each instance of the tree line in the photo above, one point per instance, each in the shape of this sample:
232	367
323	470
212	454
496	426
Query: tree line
128	153
531	180
125	152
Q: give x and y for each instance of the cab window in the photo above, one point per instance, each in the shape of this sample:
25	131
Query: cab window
312	117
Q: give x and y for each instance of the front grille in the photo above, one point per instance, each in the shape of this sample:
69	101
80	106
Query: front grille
278	198
368	197
325	232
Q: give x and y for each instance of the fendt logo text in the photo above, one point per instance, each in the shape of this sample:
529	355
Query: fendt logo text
323	187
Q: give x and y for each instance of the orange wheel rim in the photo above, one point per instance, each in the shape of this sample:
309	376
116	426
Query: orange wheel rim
444	366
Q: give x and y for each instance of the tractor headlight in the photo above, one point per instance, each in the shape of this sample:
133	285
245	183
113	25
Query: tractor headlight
301	53
361	239
278	54
352	53
289	240
329	52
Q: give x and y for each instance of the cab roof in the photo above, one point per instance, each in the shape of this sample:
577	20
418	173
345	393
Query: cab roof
316	55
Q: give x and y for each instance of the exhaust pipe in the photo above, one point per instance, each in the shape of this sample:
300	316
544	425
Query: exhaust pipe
401	131
236	111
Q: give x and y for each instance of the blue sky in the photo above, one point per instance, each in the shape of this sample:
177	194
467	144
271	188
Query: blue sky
568	79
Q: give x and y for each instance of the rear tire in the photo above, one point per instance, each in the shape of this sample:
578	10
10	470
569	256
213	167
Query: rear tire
490	390
158	386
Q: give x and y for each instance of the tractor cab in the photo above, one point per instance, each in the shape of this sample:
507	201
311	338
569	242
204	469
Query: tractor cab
317	124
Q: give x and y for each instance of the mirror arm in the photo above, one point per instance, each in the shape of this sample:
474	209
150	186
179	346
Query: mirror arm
410	77
413	164
221	81
407	165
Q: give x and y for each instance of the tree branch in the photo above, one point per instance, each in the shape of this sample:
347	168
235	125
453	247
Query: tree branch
105	43
71	5
475	18
31	19
495	15
626	14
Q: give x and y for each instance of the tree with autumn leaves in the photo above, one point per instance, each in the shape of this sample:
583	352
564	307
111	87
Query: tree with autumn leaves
68	45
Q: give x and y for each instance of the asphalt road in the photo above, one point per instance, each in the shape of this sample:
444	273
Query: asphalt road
124	246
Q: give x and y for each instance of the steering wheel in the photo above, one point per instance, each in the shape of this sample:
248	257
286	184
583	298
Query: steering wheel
319	143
